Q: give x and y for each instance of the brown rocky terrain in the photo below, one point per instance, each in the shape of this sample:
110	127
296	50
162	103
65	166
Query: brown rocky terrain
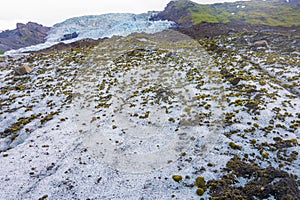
202	21
84	43
24	35
209	30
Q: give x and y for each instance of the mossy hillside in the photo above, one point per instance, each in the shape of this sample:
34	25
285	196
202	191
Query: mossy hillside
29	101
260	102
265	69
164	86
244	97
272	13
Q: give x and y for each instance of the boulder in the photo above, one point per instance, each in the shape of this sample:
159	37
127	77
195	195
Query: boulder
23	70
261	43
24	35
69	36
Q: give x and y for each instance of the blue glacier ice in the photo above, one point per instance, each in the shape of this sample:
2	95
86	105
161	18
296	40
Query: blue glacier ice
107	25
100	26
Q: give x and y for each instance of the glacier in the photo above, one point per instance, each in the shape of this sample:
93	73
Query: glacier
100	26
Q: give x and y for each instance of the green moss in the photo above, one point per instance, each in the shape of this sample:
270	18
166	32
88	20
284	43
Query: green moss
14	136
234	146
171	119
229	118
281	165
145	116
20	123
253	141
200	182
265	154
48	117
238	102
293	140
202	96
200	191
177	178
207	106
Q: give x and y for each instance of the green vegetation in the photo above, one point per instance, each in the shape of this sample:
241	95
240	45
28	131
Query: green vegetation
200	191
1	52
234	146
260	182
177	178
200	182
273	12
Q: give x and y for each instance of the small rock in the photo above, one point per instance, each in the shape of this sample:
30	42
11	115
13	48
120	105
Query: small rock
261	43
44	197
23	70
235	81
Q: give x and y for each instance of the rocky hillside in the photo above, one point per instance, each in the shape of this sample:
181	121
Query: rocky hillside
272	12
210	30
24	35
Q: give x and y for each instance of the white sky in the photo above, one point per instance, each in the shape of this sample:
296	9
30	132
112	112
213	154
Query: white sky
50	12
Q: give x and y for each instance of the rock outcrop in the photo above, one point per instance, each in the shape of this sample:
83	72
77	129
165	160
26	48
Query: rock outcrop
24	35
176	11
69	36
84	43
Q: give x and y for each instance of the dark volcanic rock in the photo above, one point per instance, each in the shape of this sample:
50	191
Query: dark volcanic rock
77	44
69	36
24	35
207	30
